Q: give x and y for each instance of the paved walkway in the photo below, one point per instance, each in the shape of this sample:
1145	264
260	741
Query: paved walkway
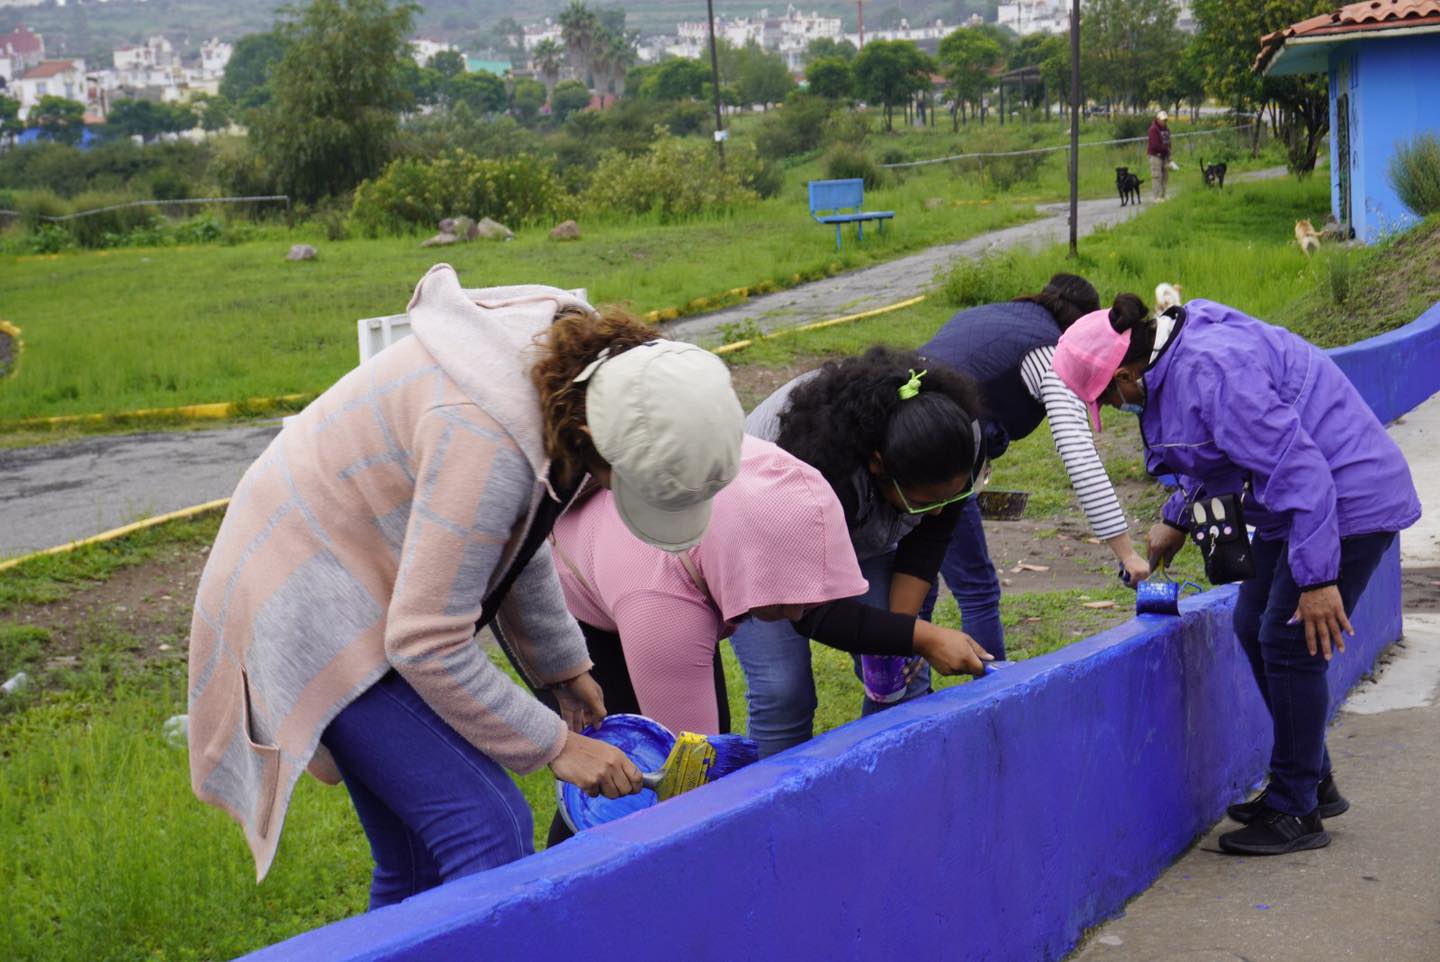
1374	894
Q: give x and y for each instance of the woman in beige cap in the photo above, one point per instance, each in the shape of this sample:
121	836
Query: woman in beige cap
334	628
1158	148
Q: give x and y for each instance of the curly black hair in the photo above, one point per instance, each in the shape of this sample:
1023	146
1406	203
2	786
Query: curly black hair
852	409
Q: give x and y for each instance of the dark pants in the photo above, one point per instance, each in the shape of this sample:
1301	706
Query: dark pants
434	807
1291	680
970	576
613	676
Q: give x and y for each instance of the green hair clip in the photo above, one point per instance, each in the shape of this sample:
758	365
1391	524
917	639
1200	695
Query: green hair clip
911	387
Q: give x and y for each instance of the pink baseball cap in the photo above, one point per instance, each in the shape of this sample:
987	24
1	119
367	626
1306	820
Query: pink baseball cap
1087	357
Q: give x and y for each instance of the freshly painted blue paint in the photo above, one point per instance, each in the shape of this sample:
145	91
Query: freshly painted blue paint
1389	86
645	742
997	819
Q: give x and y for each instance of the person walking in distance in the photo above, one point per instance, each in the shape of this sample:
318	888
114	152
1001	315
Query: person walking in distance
1159	150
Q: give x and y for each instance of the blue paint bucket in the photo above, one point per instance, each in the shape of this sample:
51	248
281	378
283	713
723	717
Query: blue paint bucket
645	742
1160	597
886	677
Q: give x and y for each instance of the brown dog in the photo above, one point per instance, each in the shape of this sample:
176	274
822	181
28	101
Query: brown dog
1307	236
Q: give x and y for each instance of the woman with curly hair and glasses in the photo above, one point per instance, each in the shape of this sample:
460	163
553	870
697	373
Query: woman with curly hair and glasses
408	505
899	440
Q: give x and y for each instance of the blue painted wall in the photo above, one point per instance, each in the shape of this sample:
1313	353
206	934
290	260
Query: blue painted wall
991	821
1392	87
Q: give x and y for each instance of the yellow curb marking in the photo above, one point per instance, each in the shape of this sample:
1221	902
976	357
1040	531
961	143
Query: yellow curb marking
819	325
120	532
212	411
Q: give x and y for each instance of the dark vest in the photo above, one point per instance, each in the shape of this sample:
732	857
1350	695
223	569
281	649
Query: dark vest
988	343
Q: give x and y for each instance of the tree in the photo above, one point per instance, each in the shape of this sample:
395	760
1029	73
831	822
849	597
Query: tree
447	63
825	48
336	95
10	123
1228	40
759	77
1127	46
527	98
617	57
59	119
968	57
569	97
215	112
578	26
547	58
134	118
481	92
508	34
830	77
247	75
678	79
889	73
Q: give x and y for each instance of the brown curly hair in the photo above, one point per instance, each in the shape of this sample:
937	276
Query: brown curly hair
566	346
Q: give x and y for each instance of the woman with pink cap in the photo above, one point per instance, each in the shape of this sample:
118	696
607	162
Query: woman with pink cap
1259	427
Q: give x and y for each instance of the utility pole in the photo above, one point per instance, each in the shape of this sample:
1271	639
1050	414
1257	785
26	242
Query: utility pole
860	10
1074	125
720	132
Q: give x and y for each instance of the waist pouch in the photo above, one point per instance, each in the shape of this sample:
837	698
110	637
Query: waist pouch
1217	526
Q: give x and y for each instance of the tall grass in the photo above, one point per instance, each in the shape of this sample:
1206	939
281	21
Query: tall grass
1414	172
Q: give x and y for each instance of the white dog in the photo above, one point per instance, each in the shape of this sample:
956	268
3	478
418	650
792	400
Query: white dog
1166	297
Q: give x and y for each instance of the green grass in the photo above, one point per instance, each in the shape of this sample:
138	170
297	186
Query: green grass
117	330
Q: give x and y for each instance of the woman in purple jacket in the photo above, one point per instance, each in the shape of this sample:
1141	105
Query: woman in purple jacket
1232	406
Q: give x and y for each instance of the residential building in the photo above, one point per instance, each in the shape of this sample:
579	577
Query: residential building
20	49
49	78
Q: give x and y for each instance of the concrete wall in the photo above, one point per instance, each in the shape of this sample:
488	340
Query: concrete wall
1392	84
995	820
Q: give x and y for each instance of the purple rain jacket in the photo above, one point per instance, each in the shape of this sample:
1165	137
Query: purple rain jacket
1232	399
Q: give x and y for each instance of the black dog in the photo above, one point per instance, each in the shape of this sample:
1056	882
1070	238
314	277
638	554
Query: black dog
1214	174
1128	185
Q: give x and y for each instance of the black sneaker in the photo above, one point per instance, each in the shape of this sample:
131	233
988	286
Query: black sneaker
1275	833
1332	803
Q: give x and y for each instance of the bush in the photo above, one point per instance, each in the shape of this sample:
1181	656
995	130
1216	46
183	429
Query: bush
411	192
1414	172
673	180
796	128
844	162
101	230
1127	126
990	281
848	128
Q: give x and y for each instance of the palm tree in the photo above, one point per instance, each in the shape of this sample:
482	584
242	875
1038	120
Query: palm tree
578	27
547	58
620	55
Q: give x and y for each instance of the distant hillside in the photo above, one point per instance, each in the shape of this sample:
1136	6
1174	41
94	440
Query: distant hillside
91	30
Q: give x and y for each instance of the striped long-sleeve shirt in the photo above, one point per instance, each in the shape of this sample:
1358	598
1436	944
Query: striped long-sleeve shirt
1070	428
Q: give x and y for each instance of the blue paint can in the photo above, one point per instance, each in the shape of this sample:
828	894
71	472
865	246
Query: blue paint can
1160	597
645	742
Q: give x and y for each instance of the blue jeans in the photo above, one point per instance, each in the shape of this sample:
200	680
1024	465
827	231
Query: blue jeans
433	806
971	578
780	689
1291	680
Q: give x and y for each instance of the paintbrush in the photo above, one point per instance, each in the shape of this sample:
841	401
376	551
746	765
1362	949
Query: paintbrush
698	760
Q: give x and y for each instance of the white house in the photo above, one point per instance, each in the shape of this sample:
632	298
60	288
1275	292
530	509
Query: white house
423	48
156	51
50	78
20	49
214	55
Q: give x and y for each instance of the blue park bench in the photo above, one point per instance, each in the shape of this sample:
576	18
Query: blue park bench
836	196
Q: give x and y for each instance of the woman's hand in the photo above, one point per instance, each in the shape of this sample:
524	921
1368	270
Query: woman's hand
1323	613
595	767
581	702
1163	543
1134	569
948	651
